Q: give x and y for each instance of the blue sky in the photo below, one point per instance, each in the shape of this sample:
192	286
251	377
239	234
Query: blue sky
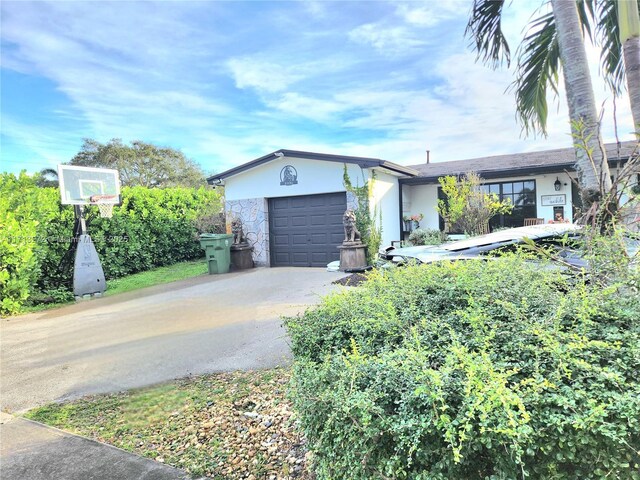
227	82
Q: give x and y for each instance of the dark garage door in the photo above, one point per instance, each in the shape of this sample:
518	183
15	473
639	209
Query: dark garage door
305	231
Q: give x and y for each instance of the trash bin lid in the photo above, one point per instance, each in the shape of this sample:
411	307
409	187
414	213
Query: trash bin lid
216	235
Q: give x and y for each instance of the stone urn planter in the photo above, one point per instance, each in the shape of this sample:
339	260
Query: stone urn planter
241	256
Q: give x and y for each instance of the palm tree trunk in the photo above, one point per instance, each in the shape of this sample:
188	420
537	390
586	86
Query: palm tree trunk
591	160
629	23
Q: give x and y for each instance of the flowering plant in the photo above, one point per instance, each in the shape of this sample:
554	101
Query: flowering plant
415	217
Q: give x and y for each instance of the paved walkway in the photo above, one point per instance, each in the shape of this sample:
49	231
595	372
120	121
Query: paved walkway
31	451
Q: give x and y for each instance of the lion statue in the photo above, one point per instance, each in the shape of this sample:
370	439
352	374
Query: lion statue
351	233
237	231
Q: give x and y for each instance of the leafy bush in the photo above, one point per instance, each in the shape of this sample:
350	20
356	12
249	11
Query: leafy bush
152	227
427	236
474	370
467	208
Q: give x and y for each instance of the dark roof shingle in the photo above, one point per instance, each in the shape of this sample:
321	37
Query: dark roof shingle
558	159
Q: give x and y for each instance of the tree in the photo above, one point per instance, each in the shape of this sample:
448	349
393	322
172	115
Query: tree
47	177
467	207
540	56
630	40
141	163
593	171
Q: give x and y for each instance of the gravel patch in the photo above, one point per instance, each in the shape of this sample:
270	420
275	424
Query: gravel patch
236	425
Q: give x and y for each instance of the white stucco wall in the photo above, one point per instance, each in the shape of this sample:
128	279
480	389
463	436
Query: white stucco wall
424	198
386	194
313	177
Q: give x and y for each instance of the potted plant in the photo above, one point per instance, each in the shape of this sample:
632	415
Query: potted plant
415	220
412	222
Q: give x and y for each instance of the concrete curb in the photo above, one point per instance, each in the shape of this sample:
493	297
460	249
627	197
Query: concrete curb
33	450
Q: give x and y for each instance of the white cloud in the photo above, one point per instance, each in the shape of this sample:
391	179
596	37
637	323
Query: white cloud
264	76
430	14
170	79
316	109
388	40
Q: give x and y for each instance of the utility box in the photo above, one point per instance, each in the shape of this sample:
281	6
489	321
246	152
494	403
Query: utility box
217	249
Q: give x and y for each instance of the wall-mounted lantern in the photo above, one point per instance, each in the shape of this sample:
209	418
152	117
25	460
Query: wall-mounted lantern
557	184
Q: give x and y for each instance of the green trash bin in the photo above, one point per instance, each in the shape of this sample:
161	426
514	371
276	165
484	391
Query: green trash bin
217	249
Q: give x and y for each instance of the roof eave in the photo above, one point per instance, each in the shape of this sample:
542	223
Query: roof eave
492	174
361	161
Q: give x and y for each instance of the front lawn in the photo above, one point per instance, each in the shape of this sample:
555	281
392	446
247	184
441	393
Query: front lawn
225	426
149	278
157	276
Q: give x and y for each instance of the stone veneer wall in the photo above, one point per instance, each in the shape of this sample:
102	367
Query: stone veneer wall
253	213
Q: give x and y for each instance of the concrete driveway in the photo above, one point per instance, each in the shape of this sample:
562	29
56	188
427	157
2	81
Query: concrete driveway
204	324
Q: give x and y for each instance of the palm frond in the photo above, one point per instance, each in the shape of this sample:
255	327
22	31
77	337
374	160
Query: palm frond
586	12
485	31
608	38
50	172
537	71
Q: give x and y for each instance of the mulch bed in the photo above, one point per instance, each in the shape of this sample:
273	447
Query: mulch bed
352	280
235	425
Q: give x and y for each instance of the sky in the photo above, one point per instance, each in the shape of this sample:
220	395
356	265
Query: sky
227	82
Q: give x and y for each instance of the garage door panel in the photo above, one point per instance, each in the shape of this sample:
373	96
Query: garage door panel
299	221
300	257
299	239
335	219
281	240
325	258
297	202
281	222
320	239
337	201
282	257
319	201
279	204
318	220
306	230
337	238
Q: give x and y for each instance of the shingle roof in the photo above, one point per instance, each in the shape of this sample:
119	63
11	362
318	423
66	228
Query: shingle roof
559	159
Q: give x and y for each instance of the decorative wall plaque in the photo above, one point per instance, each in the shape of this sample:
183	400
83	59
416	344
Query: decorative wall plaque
551	200
288	175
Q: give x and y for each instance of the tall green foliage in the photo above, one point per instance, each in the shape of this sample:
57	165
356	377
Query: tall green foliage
141	163
368	223
467	208
152	227
460	371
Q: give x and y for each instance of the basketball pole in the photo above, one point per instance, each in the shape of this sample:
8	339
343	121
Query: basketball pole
88	275
79	213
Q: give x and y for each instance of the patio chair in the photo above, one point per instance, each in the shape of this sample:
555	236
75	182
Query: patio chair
533	221
484	229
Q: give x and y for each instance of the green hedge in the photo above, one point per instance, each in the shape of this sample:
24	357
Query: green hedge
471	370
152	227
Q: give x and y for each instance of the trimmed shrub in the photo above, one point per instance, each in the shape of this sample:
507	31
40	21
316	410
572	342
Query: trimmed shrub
152	227
488	370
427	236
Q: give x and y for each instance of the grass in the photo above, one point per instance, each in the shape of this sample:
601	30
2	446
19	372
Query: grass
140	421
197	423
156	276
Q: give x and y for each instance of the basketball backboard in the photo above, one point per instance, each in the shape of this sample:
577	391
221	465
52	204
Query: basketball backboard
79	184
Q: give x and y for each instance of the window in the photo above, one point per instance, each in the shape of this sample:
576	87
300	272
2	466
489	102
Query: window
523	198
522	195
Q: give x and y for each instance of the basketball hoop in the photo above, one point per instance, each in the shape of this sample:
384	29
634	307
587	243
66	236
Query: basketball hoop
106	208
